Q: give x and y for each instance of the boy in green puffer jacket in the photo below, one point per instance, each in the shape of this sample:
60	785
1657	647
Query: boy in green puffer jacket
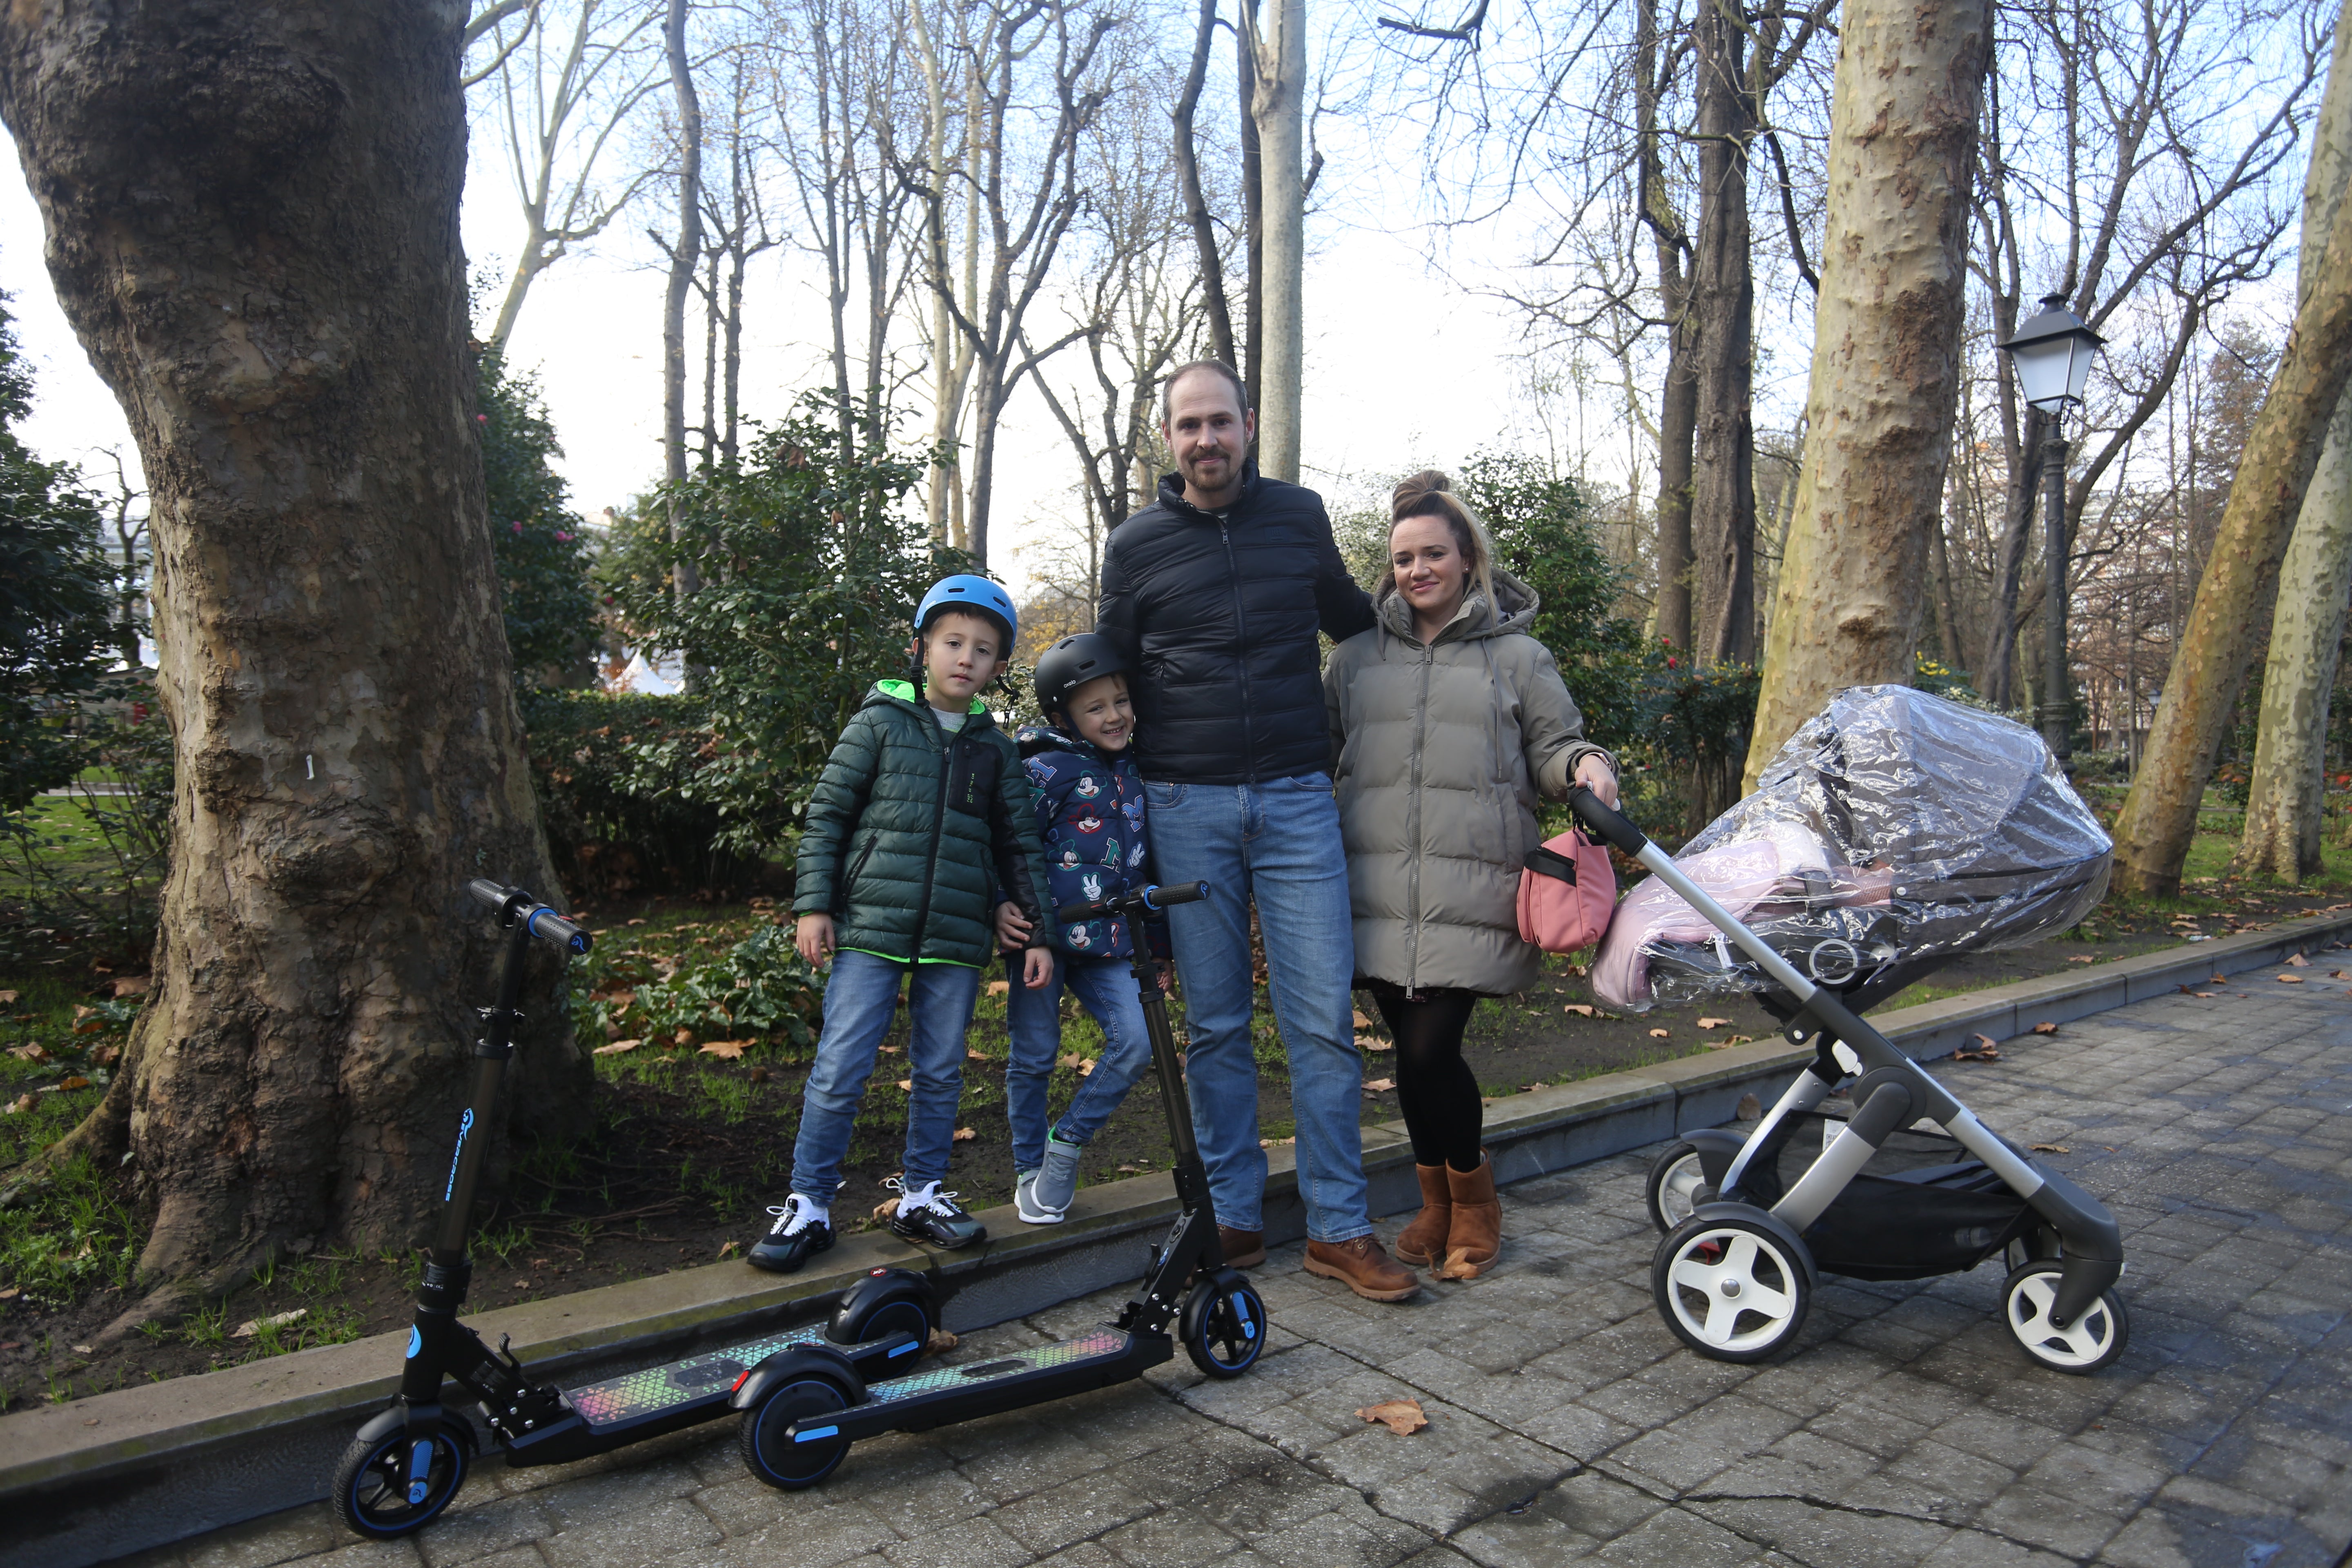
922	814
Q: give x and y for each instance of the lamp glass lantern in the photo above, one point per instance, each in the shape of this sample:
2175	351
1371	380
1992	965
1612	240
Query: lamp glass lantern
2053	355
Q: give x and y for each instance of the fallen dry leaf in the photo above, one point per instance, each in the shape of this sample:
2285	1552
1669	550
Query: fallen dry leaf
76	1081
2295	959
1366	1042
21	1103
941	1342
2217	980
972	1056
1712	1023
8	998
1979	1049
1739	1041
906	1086
999	987
133	985
1401	1416
1275	1142
1749	1108
1660	1035
2339	974
725	1050
683	1038
1130	1170
2083	958
965	1134
252	1326
728	1249
2050	1149
2208	995
32	1052
10	1293
1362	1022
617	1046
1579	1008
1378	1085
2290	979
2045	1027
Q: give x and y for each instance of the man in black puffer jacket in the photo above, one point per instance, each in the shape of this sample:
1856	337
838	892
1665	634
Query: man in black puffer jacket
1214	594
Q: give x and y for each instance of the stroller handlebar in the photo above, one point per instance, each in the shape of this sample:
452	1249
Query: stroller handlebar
513	904
1606	821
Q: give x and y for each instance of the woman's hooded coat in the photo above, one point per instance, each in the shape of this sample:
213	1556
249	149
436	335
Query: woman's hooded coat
1441	752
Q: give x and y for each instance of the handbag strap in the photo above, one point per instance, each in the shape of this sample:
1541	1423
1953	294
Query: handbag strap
1550	863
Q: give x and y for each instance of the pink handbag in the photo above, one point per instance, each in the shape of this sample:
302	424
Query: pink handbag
1566	893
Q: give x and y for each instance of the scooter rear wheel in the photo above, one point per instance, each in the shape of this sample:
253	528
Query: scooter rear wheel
371	1482
1672	1191
793	1463
2082	1346
1731	1289
1224	1326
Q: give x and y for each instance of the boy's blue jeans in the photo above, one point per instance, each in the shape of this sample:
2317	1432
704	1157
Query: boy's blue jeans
1106	988
859	1000
1277	842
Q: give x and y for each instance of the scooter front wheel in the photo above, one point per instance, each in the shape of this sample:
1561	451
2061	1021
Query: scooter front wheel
1731	1289
1224	1325
802	1459
380	1499
1675	1178
2082	1346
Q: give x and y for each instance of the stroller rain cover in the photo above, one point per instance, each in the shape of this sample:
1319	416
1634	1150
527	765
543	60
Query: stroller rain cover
1893	831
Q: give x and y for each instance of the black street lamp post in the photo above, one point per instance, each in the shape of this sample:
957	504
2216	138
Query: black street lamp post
2053	356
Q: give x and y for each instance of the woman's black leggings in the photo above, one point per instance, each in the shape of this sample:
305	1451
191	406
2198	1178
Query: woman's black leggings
1439	1092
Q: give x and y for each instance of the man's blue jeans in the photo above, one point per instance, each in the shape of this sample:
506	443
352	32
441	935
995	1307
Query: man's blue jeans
1277	842
859	1000
1106	988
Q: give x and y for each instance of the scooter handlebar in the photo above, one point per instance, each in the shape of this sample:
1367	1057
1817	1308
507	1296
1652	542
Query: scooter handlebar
1148	899
513	904
1606	821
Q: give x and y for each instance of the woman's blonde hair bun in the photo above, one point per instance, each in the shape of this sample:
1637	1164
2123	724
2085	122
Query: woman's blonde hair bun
1430	493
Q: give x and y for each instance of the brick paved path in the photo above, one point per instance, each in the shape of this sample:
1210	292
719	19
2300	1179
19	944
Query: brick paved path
1565	1422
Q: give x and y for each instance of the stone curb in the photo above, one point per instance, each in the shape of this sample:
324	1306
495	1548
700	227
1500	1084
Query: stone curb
118	1472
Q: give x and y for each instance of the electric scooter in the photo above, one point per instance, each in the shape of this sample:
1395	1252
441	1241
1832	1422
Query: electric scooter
406	1464
803	1406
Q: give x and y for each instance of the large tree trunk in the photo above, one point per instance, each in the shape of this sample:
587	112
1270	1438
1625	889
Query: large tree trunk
1196	203
1279	109
2286	800
1679	403
1886	357
1722	302
252	223
1253	360
2009	566
2209	659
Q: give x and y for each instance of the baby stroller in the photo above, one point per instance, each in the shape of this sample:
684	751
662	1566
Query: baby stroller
1893	831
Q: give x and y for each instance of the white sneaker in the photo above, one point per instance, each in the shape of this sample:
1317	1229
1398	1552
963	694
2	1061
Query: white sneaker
1025	1202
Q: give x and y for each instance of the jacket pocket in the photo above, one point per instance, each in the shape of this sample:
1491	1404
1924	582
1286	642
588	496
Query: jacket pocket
849	878
971	777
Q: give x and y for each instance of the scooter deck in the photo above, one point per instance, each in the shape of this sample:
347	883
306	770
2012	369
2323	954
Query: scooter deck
949	1394
638	1404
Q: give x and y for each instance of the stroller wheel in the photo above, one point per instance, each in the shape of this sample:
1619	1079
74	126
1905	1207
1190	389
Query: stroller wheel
2082	1346
1731	1289
1674	1181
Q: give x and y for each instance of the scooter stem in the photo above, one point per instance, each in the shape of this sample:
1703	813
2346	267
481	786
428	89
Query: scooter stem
491	1055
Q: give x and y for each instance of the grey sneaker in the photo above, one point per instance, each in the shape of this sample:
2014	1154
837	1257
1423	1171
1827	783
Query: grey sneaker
1057	1179
1025	1201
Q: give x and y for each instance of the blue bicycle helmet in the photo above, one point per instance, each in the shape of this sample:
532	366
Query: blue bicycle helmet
967	591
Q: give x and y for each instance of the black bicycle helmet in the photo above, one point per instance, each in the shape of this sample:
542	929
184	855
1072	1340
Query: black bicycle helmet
1070	664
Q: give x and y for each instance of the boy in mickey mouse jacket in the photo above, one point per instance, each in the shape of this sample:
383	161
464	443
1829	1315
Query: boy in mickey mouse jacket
1089	803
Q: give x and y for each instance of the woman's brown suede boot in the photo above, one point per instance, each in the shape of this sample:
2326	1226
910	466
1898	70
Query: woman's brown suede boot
1474	1234
1423	1241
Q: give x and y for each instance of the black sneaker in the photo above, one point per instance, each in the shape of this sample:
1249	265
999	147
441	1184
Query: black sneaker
790	1241
938	1221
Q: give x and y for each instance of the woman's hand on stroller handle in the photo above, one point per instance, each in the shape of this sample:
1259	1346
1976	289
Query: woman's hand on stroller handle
1143	900
1605	820
513	904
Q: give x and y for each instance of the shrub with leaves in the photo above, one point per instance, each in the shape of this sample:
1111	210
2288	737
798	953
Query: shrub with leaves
760	990
539	544
810	566
616	778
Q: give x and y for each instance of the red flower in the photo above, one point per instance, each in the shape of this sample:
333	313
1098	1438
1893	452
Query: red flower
1671	664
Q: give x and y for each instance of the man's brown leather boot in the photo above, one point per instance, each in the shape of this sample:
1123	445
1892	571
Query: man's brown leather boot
1364	1267
1422	1243
1242	1249
1475	1235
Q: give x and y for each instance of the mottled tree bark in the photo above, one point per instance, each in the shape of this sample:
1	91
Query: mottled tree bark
252	223
1678	400
1278	108
2287	796
2209	661
1886	357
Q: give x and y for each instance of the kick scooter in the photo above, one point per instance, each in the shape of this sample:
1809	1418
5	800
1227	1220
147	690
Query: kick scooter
803	1406
409	1461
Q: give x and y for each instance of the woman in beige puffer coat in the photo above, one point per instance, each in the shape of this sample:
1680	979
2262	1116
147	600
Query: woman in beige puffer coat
1447	722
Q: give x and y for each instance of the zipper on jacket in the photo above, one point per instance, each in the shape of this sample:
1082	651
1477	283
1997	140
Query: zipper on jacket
1420	846
1241	646
855	867
939	826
